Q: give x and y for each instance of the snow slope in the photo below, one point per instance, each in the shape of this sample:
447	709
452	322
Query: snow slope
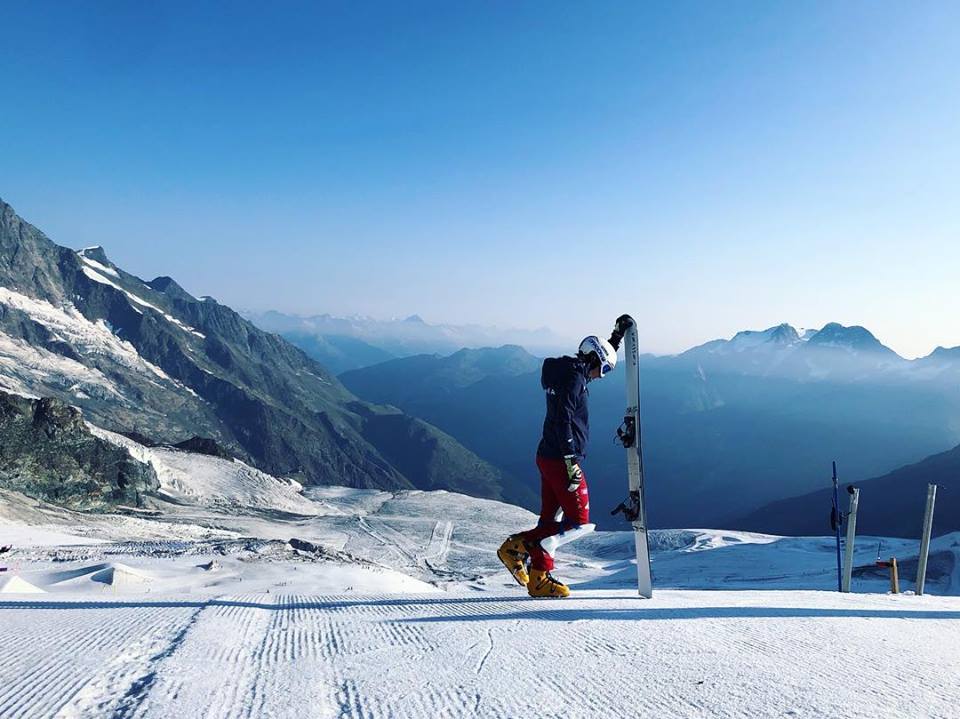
206	481
241	595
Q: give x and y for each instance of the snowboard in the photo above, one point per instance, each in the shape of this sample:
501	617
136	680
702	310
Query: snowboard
633	507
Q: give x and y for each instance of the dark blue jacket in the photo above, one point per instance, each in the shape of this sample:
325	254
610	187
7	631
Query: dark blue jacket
566	427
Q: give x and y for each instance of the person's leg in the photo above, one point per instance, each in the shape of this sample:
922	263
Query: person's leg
518	547
552	531
575	508
553	482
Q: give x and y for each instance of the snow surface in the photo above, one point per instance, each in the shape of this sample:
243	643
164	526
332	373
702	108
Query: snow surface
206	481
244	595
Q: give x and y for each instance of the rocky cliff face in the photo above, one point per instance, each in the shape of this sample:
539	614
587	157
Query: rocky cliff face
146	357
47	452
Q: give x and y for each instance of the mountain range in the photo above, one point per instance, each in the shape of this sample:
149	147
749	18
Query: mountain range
345	343
147	358
729	426
736	431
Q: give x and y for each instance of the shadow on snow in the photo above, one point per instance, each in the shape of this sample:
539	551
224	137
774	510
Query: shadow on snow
502	608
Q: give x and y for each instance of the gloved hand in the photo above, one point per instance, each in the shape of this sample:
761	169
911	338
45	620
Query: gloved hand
574	473
624	322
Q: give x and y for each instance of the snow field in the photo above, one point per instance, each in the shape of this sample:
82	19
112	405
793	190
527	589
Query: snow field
394	605
682	654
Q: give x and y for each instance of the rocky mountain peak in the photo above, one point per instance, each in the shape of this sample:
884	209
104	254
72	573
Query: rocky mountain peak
854	337
158	362
169	287
782	334
95	253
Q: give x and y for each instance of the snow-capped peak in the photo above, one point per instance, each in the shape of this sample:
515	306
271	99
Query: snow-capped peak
95	259
95	254
783	334
854	338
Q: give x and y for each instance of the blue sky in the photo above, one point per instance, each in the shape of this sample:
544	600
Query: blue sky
708	166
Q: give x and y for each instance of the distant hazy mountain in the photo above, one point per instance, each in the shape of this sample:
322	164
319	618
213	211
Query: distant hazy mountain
338	353
425	379
892	505
148	358
728	426
833	352
396	338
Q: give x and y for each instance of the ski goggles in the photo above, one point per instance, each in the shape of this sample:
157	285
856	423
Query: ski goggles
605	367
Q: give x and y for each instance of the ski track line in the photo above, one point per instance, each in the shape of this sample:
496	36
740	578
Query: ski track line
37	672
486	655
214	666
318	652
293	663
61	653
398	549
439	543
119	687
51	671
396	538
441	689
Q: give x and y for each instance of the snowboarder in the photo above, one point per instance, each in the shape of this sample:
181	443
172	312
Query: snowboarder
565	502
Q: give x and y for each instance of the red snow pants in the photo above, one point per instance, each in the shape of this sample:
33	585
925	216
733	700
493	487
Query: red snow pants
553	498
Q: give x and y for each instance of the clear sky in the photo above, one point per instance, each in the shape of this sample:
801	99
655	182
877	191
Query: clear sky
706	166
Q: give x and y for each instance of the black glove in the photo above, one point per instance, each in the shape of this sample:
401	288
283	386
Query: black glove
624	323
574	473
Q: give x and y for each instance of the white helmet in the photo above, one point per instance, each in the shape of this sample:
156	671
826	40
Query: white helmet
604	351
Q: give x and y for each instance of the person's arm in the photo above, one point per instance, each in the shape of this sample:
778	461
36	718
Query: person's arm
568	397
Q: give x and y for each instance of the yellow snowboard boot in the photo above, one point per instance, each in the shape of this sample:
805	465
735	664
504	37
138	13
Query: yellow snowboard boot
543	585
513	553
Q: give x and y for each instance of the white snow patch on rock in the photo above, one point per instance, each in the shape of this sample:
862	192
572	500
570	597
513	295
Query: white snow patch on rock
29	370
97	277
68	325
97	266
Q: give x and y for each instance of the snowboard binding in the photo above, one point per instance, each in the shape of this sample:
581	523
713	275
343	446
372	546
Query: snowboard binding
630	507
627	432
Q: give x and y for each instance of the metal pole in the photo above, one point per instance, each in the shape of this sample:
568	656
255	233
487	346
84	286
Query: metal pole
925	539
851	536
